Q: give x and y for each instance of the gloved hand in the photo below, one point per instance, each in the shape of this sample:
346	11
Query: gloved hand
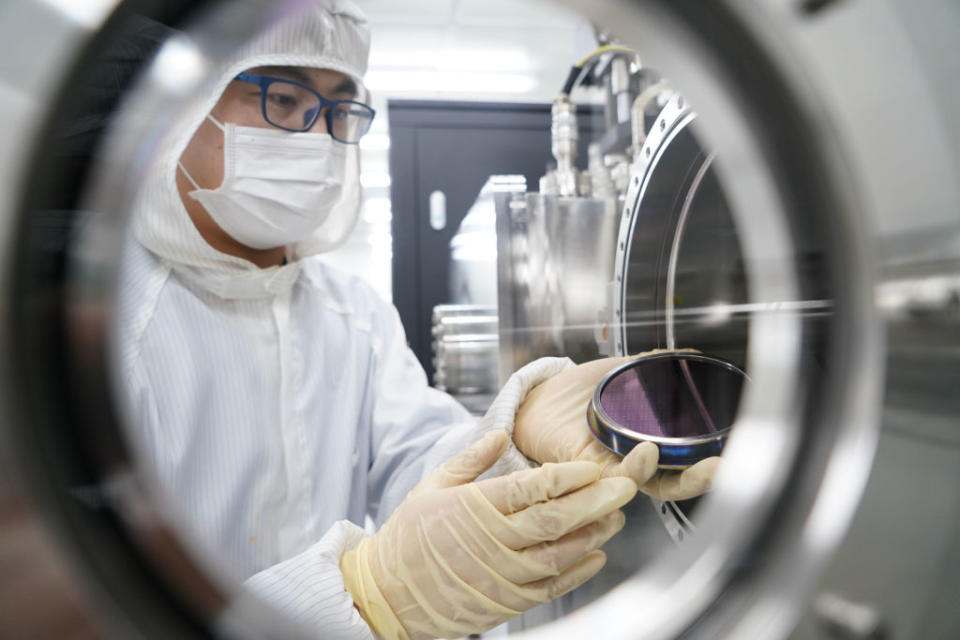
551	426
460	557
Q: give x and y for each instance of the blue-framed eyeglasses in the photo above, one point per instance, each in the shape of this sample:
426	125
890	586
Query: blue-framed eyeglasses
293	106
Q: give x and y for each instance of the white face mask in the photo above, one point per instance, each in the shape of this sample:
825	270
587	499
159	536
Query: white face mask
278	187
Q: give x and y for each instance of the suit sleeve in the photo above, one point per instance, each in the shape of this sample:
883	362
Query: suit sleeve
416	427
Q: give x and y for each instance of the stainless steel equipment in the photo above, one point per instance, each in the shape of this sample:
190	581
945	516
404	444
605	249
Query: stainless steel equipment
814	235
465	348
554	255
542	255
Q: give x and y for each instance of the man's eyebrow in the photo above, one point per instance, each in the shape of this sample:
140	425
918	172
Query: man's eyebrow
347	85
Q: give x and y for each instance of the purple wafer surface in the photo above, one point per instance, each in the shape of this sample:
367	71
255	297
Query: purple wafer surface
673	398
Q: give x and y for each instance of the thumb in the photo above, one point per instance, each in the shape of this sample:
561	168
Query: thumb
469	463
640	464
683	485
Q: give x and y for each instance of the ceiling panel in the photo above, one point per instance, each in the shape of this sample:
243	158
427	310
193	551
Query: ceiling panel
515	13
505	14
425	12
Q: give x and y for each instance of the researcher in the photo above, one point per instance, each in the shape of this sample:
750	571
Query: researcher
278	405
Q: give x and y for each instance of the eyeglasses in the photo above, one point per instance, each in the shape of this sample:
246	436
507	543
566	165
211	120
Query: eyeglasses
683	402
293	106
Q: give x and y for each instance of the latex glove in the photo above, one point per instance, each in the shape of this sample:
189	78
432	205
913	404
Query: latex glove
503	409
460	557
551	426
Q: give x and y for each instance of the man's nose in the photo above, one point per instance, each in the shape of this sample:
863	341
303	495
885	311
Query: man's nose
320	124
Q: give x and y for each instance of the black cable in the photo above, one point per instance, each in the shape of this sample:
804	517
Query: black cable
571	80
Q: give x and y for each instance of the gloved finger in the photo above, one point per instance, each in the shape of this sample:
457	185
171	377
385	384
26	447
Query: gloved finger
639	465
555	518
552	588
595	452
553	558
469	463
519	490
683	485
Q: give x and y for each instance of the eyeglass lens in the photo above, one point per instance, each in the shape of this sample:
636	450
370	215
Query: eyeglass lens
349	121
293	107
674	398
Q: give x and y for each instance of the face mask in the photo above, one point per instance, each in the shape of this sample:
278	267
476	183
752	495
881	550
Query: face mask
278	186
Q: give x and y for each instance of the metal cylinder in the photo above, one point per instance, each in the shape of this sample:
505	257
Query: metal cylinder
620	87
563	143
466	348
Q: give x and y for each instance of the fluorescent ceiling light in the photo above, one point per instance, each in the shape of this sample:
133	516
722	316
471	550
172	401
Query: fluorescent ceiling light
449	82
452	59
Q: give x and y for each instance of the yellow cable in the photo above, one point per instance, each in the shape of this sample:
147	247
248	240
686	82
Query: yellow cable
604	49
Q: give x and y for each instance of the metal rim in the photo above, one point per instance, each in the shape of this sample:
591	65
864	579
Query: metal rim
143	576
675	252
674	116
710	594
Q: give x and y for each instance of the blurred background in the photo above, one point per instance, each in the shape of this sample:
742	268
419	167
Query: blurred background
446	50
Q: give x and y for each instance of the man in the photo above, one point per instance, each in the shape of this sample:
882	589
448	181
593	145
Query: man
278	403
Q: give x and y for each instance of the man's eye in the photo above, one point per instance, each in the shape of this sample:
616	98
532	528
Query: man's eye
282	100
